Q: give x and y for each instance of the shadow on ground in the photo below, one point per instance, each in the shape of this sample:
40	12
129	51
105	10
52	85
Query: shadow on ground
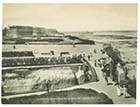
75	96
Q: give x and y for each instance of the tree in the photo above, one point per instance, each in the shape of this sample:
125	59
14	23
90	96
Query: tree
115	56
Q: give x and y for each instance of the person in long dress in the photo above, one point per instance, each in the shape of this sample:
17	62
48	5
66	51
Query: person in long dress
106	73
119	90
120	72
124	91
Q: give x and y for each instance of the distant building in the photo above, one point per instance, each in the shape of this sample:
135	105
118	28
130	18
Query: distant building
51	32
28	31
18	31
38	31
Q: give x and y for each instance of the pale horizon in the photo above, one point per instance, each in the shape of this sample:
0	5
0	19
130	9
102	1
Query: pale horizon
72	17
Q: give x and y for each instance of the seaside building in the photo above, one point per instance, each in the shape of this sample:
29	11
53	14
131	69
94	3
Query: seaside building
29	32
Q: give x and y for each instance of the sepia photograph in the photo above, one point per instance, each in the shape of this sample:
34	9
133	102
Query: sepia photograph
69	53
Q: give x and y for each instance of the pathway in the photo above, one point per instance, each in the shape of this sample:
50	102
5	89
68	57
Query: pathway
100	86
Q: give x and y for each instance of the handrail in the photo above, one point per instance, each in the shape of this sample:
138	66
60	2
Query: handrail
93	71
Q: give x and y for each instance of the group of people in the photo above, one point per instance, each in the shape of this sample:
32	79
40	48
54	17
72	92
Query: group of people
8	62
120	74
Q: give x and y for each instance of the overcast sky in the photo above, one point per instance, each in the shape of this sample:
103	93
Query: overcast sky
72	17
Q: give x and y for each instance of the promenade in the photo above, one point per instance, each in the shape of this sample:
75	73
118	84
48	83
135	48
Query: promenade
100	86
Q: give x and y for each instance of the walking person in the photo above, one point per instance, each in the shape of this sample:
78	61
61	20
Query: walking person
95	51
119	90
86	73
48	86
106	73
124	67
88	57
14	47
120	74
95	63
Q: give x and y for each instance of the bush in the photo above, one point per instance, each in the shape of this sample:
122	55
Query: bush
39	61
131	86
17	54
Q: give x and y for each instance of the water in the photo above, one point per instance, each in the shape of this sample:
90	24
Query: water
107	36
127	47
124	45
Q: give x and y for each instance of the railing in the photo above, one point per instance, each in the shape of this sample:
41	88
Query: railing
93	71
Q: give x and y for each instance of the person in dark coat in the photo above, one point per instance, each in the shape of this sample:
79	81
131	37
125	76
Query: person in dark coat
106	72
48	85
88	57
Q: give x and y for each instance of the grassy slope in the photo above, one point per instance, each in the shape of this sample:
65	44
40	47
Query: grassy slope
76	96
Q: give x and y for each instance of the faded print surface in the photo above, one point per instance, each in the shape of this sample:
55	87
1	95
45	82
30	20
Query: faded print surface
69	53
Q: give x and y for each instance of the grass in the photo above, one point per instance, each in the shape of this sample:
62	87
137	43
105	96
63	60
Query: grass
33	80
75	96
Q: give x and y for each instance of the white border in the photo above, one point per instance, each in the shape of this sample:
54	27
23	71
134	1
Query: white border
138	57
82	1
70	1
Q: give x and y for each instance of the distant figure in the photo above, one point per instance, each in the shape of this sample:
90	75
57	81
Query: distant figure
48	85
121	73
119	90
86	73
125	69
14	47
52	52
124	90
74	45
106	72
99	63
95	63
102	51
95	51
84	55
3	92
88	57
